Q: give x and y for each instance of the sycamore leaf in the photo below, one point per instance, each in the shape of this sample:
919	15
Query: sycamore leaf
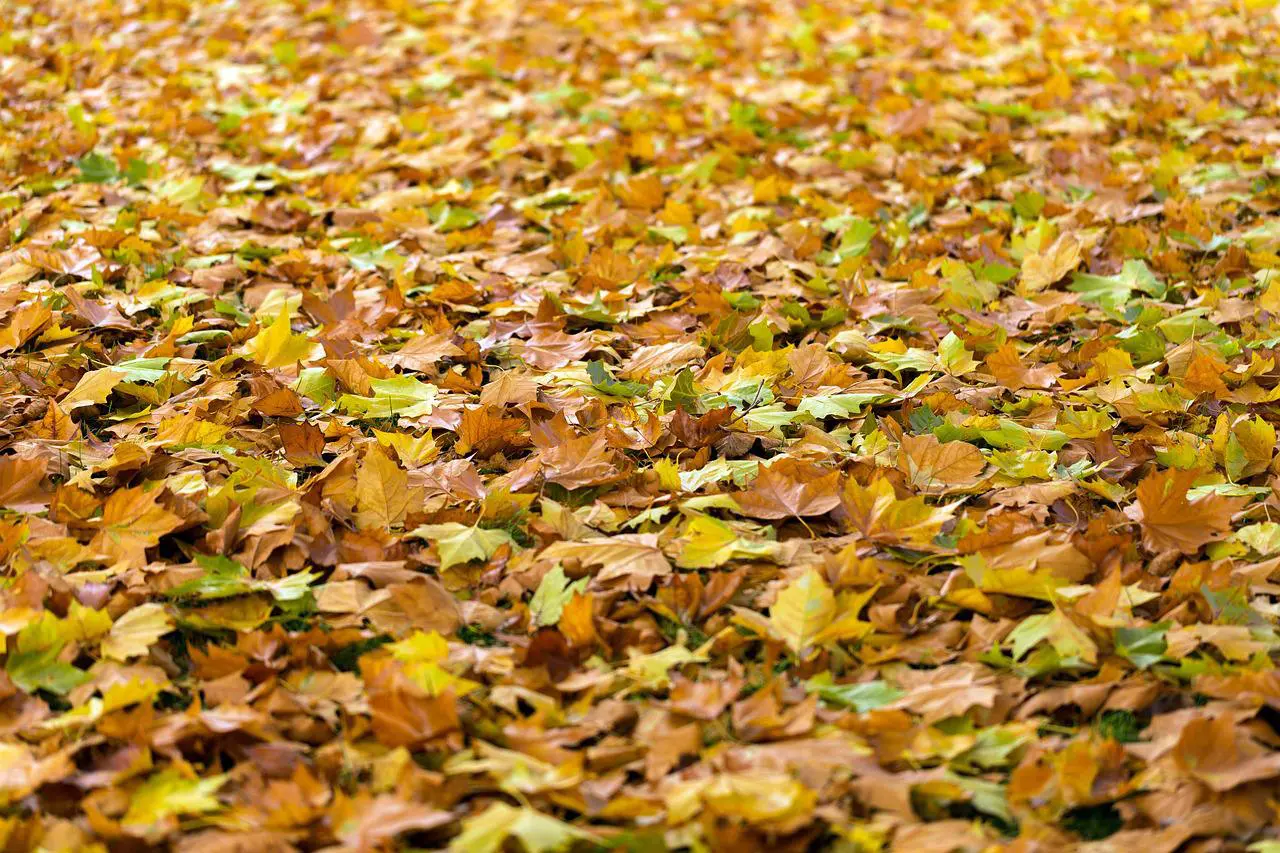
710	542
1011	370
635	557
132	521
940	467
135	631
40	669
424	655
397	397
802	611
878	514
1067	638
953	357
553	593
93	388
1171	521
489	831
277	346
1041	269
862	696
790	488
652	671
169	794
1249	448
382	491
461	543
21	483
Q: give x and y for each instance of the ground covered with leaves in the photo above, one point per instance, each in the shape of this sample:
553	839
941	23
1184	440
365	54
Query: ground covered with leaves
695	426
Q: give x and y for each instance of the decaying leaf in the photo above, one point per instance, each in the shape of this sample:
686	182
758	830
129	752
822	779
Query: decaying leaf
700	426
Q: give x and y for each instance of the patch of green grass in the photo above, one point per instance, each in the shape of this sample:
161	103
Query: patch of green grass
1093	823
1123	726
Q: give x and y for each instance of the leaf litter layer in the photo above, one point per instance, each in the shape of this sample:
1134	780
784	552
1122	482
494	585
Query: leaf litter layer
639	425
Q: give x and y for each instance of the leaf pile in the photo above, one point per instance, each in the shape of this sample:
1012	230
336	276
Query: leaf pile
639	425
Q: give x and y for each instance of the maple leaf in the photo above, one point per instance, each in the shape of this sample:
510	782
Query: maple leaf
135	631
489	831
520	392
402	712
710	542
1010	370
22	325
382	491
460	543
1041	269
486	431
373	822
1170	519
1216	753
132	521
802	611
93	388
549	350
554	591
635	557
21	479
790	488
579	462
277	346
878	514
166	795
937	467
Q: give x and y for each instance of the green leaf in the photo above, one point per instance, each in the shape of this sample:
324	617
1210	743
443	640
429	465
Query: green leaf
41	670
168	794
1144	646
400	397
862	697
606	384
842	406
682	394
953	357
552	594
1028	204
225	578
449	217
1112	292
461	543
222	578
97	169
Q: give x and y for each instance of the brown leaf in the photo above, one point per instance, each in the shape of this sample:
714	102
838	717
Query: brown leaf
940	467
790	488
403	714
579	462
1170	520
21	483
633	556
486	431
551	350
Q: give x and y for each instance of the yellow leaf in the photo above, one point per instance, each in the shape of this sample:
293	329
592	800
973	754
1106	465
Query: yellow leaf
1041	269
135	631
93	388
802	610
382	492
22	324
277	346
167	794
